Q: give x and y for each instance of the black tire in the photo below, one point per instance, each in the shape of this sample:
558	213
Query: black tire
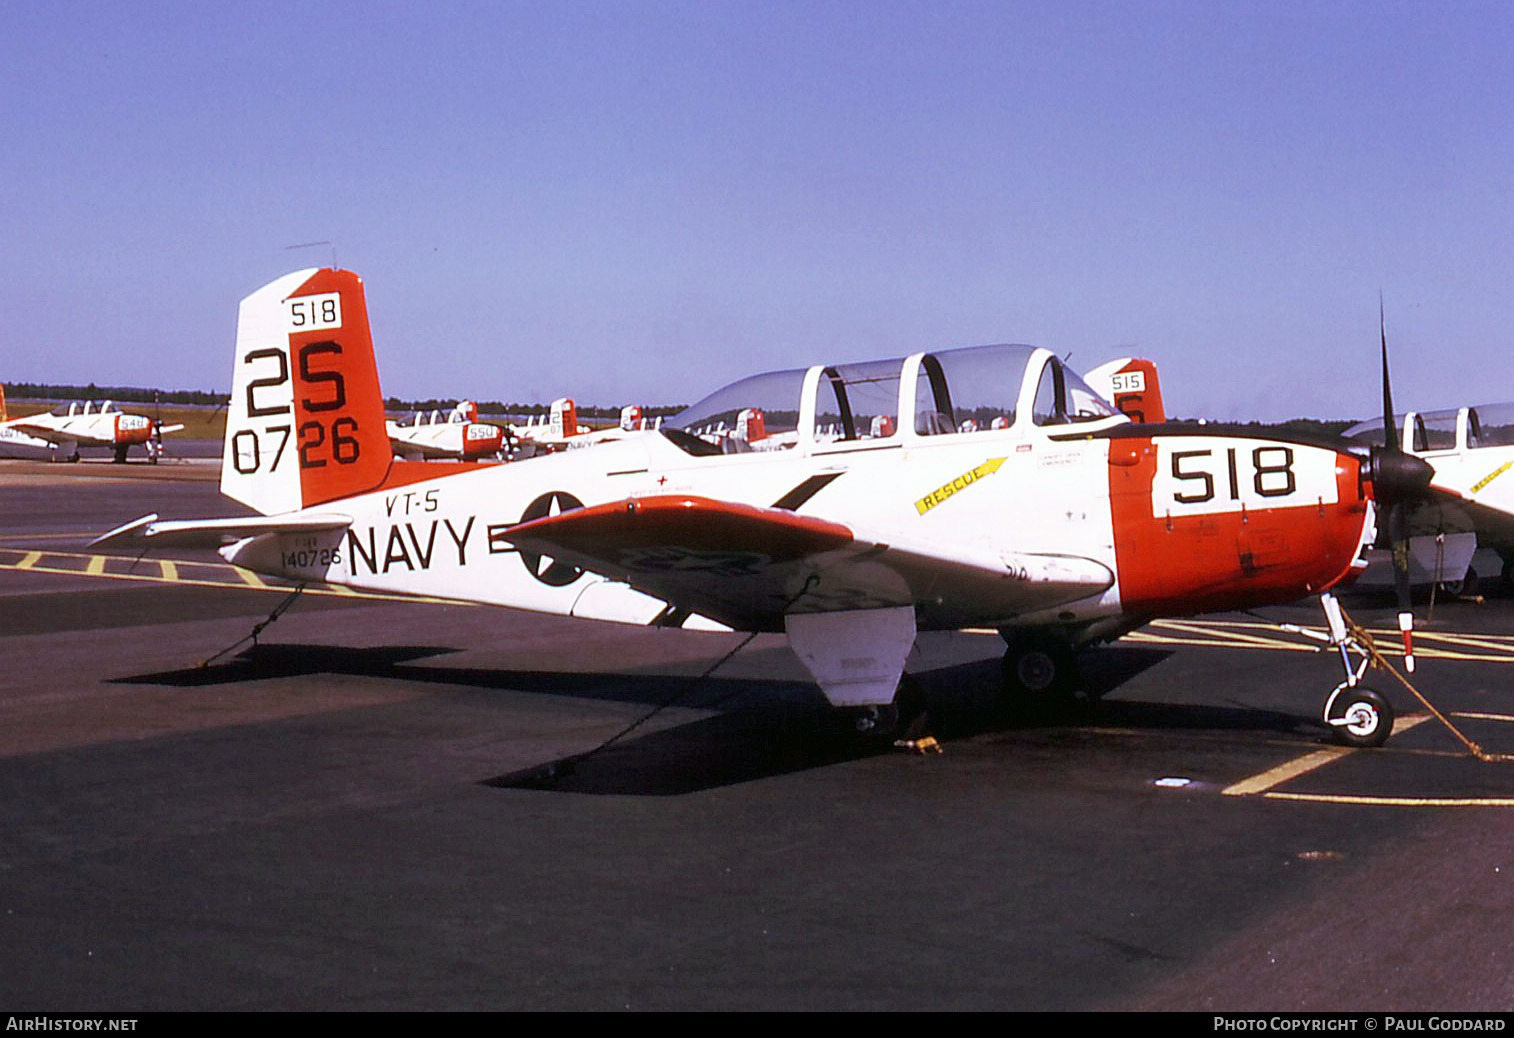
904	718
1467	585
1359	717
1040	673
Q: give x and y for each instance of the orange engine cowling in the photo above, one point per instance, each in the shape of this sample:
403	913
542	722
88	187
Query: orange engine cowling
132	428
480	439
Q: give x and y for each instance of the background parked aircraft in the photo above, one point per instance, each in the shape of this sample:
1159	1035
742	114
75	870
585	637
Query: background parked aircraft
456	435
1470	504
68	427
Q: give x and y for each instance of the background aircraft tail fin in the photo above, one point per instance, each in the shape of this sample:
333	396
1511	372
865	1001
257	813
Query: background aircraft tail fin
564	419
3	414
306	419
1131	386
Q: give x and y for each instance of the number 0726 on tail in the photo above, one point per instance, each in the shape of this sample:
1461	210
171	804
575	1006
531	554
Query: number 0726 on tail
848	505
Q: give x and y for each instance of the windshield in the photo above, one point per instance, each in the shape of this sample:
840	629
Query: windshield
754	409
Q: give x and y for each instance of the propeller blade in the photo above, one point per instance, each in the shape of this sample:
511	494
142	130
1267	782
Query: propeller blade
1398	535
1401	480
1388	430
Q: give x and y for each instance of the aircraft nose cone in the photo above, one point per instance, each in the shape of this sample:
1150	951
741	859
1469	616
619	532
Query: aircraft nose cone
1397	475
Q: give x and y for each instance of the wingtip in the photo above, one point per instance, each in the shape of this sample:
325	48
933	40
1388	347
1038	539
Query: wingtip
126	532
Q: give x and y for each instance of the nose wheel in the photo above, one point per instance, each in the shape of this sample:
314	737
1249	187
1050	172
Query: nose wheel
1358	715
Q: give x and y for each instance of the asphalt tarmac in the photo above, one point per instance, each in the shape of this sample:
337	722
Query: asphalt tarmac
376	806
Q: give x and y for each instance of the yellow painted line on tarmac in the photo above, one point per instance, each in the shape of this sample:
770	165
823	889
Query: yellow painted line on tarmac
1233	634
1264	784
170	571
1147	638
1383	801
250	578
1484	717
1238	636
45	536
1273	777
1283	772
1491	642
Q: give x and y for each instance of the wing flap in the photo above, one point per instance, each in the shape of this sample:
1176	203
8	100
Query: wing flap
748	567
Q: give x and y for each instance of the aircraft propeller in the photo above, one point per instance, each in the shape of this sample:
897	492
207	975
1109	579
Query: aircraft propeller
1398	477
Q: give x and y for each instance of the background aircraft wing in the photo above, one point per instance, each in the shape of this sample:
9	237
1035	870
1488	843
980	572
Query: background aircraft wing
37	431
747	566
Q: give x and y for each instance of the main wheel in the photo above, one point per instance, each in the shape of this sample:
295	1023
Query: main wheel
1467	585
1359	716
904	718
1040	672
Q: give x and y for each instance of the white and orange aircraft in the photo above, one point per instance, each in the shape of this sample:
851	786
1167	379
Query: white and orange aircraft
67	427
457	435
560	430
1055	520
1470	503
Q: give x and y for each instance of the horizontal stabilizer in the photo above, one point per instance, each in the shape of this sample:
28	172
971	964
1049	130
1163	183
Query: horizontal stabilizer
211	533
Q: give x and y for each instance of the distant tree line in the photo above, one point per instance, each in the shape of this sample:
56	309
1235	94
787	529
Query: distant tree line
201	398
1307	426
120	394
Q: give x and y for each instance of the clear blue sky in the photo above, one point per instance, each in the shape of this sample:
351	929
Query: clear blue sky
637	202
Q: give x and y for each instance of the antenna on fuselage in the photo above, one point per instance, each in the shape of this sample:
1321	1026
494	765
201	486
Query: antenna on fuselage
313	244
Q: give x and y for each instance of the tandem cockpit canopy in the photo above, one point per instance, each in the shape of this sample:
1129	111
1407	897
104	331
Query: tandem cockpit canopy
1423	432
890	402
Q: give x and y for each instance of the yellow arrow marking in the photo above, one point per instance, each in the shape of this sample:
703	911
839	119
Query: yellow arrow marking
962	482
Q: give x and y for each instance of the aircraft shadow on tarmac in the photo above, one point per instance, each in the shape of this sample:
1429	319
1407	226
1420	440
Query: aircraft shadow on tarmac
764	728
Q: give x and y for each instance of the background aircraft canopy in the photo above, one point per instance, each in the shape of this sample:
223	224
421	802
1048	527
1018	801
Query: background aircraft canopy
1486	425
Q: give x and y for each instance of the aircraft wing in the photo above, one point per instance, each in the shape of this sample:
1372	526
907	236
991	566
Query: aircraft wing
748	566
12	432
211	533
36	431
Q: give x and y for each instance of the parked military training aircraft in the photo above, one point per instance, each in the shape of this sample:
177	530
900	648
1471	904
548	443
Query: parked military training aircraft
869	516
1471	498
68	427
560	430
457	435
